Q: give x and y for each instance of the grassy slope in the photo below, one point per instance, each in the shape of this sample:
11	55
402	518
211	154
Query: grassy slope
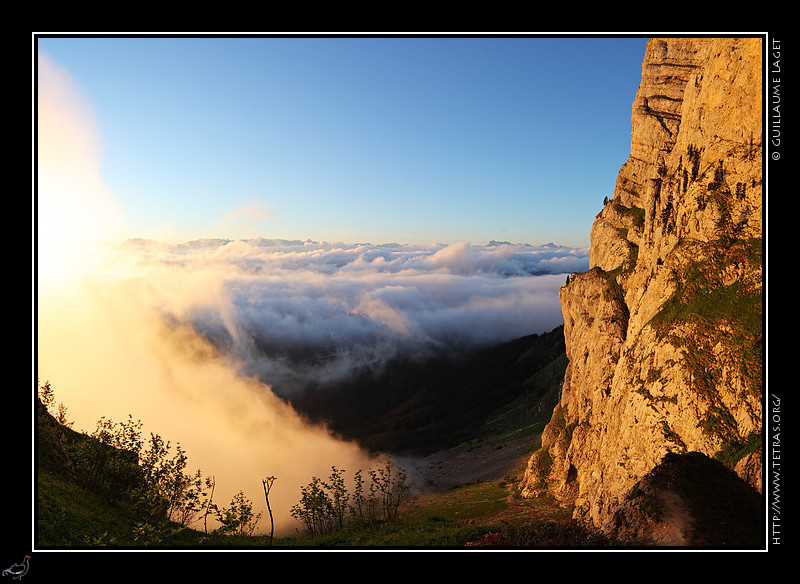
459	515
423	407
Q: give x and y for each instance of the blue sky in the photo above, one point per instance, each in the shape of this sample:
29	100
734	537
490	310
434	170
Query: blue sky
413	140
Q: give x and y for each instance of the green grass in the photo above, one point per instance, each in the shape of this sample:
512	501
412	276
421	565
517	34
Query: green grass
474	515
477	515
467	502
732	452
70	517
435	532
634	214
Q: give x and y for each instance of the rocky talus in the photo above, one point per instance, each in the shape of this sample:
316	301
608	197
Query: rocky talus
664	332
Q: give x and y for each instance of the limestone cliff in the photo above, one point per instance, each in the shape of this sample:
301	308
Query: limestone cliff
664	332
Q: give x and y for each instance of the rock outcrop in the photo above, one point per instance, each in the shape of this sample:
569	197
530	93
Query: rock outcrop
664	332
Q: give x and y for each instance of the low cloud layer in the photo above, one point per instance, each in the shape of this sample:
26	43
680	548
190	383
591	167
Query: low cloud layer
290	312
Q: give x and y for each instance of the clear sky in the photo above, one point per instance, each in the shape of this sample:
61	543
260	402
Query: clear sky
413	140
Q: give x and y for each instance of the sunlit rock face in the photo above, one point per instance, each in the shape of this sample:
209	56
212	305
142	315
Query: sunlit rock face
664	331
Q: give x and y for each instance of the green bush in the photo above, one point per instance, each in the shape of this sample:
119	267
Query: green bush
238	518
328	507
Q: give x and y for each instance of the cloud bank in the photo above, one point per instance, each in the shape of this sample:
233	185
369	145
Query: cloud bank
294	312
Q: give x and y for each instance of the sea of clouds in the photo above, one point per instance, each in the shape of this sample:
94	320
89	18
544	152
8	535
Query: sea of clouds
294	312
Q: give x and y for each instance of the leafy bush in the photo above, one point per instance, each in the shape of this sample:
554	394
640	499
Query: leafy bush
116	463
325	507
238	518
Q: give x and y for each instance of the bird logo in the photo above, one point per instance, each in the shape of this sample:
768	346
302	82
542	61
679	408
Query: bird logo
17	571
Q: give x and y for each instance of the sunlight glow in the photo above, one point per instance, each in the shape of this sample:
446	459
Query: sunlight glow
73	206
104	341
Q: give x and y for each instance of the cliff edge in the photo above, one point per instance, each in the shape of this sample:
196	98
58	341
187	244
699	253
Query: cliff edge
664	332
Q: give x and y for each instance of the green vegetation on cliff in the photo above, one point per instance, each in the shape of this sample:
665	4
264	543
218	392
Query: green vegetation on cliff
715	290
716	316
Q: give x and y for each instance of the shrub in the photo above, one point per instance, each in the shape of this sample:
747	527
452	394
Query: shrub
238	518
327	507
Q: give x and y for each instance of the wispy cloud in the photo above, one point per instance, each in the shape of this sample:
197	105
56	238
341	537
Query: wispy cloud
247	220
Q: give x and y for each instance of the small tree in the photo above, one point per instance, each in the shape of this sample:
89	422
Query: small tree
314	509
107	464
358	510
187	499
211	483
338	497
46	395
62	417
238	519
323	506
390	489
119	464
267	483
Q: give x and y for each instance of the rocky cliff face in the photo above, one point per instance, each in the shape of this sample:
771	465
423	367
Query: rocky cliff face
664	332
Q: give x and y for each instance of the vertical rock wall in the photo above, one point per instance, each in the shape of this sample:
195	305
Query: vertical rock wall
664	332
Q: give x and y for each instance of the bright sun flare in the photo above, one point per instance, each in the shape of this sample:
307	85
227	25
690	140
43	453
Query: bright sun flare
73	205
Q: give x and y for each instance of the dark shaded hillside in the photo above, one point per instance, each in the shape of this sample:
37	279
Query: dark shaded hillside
420	407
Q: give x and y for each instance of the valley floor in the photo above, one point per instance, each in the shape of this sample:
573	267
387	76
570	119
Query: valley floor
471	462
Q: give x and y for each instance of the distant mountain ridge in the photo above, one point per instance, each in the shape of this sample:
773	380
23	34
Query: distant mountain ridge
279	242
